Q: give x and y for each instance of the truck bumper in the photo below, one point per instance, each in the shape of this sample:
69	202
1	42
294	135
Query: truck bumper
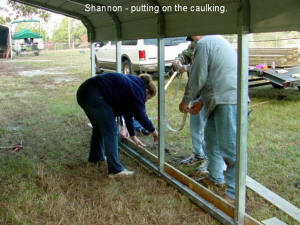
150	68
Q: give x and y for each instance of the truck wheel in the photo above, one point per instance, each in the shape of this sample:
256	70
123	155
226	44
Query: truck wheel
98	68
126	67
276	86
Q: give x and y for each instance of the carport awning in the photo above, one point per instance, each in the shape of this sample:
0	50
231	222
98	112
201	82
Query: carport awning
25	33
253	15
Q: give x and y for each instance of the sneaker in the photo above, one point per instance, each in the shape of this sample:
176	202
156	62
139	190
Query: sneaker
145	132
192	159
142	130
123	173
203	166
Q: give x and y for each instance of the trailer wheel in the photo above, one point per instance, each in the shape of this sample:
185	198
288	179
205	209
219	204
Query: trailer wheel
277	86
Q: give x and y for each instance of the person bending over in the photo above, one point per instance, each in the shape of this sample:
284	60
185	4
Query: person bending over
106	96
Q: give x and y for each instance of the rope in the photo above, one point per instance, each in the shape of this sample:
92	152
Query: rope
172	103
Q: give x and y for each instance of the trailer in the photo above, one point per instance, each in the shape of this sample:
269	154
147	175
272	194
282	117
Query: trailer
5	50
278	78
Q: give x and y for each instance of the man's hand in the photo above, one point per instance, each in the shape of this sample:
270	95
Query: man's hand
183	107
179	67
123	132
196	107
183	69
137	141
155	135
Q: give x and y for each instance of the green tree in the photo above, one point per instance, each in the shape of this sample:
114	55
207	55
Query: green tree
27	11
69	30
4	20
78	30
60	34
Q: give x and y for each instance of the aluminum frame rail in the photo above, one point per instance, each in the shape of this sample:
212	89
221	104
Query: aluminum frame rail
239	210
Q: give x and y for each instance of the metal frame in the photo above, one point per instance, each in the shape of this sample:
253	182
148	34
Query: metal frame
242	116
161	104
113	15
202	203
118	56
93	59
239	211
241	167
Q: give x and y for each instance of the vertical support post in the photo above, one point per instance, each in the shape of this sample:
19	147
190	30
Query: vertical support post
10	42
93	59
161	104
242	126
118	56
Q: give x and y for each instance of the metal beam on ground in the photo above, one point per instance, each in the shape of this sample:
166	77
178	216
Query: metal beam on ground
181	181
274	199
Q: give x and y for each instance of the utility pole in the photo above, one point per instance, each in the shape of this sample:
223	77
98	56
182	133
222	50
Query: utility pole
69	31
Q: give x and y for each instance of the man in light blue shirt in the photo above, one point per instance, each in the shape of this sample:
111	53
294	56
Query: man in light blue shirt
213	77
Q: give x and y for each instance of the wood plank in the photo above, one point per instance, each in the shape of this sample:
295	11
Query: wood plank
281	56
274	199
202	191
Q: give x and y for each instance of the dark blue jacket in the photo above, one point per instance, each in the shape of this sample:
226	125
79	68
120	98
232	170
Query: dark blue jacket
126	95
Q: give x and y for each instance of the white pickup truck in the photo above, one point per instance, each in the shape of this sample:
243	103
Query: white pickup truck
139	56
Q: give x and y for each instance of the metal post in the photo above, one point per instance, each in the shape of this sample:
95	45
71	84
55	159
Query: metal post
93	59
118	56
161	104
242	119
10	42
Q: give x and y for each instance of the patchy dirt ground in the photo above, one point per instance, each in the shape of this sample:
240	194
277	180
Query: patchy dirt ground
49	181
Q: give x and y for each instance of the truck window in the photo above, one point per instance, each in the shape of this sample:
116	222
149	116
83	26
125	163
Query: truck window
168	41
129	42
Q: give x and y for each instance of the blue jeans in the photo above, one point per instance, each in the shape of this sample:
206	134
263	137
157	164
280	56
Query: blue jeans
137	125
104	137
197	124
220	137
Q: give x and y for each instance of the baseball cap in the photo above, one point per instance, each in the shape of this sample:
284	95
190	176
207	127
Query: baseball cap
189	38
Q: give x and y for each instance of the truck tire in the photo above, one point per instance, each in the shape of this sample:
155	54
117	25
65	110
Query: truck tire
276	86
98	68
126	67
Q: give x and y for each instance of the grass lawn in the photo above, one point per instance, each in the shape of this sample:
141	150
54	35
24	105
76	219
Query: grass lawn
49	181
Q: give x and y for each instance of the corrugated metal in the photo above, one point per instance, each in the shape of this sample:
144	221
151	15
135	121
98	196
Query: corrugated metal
261	16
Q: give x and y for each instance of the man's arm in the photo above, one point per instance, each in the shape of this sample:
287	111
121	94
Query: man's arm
198	73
